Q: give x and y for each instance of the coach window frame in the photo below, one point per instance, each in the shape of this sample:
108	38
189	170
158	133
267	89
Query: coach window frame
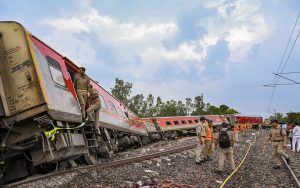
168	123
176	122
54	65
103	103
113	107
121	113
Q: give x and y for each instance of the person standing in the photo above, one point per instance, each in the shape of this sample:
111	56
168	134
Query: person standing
209	138
225	141
82	84
296	138
290	131
236	132
200	130
279	142
94	107
242	128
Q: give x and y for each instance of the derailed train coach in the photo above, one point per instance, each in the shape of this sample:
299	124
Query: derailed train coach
40	118
255	120
175	126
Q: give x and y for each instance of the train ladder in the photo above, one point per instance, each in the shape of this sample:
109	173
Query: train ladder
89	133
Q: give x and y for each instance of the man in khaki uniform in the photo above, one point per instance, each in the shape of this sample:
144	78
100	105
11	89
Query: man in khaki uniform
226	141
209	138
82	83
200	129
279	142
94	106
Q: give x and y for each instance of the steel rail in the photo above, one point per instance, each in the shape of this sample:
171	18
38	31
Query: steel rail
291	171
114	163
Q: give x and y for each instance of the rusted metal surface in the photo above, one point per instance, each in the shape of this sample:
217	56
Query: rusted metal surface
109	164
20	83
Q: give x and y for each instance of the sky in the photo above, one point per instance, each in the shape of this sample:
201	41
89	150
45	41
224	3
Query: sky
225	49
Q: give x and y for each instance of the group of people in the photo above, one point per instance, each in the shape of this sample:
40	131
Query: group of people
227	136
241	128
88	98
206	142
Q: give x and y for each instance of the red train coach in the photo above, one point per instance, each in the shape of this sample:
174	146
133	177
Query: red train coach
37	97
240	118
180	124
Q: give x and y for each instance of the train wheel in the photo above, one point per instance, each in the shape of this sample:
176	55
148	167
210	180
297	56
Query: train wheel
91	157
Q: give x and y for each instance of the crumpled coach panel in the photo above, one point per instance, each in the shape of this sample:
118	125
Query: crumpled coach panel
19	86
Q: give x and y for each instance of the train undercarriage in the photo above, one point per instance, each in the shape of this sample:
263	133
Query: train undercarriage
40	145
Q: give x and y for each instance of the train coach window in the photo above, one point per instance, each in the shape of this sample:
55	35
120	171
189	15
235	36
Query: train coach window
183	121
121	112
176	122
112	107
55	70
168	123
190	121
103	103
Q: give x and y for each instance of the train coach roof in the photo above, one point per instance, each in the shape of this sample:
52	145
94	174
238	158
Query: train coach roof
70	62
244	115
183	117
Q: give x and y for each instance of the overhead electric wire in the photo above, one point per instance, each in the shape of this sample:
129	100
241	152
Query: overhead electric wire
276	78
289	73
287	79
274	85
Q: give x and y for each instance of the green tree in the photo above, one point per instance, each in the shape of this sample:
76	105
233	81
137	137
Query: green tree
149	103
181	109
158	107
293	117
231	111
223	108
213	110
150	107
169	109
281	118
189	106
199	105
122	91
137	104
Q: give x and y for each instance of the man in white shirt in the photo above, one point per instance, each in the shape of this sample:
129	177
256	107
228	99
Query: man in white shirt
296	138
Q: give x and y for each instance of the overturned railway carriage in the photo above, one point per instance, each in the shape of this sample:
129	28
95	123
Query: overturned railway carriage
177	125
40	119
255	120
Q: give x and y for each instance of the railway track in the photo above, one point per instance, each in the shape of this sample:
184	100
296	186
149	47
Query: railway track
294	169
186	145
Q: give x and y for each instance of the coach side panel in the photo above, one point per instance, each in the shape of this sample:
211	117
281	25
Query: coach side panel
62	104
19	85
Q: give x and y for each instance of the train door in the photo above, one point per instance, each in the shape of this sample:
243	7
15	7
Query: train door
61	98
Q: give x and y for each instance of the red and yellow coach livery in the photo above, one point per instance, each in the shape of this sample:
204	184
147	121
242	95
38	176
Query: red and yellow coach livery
40	118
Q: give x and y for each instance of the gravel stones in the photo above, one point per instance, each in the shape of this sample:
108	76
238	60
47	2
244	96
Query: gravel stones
257	170
180	171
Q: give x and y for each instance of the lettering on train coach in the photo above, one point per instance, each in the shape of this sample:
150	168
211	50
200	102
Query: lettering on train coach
13	54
